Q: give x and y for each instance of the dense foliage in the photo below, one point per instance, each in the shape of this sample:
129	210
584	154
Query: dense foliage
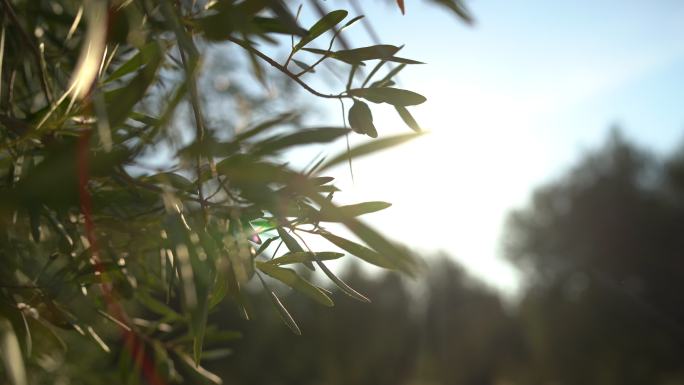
128	212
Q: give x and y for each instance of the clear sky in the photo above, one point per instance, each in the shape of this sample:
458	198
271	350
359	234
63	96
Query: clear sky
512	102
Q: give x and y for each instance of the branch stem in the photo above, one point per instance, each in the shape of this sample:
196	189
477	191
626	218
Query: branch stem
284	70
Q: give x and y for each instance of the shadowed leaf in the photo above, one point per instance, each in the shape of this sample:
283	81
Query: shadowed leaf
389	95
361	119
326	23
361	251
408	118
354	210
369	148
304	256
341	284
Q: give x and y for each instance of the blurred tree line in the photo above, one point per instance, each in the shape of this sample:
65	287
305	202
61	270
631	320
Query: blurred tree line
600	253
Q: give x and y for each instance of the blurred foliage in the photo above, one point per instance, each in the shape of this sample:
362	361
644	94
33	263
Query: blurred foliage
602	251
446	329
138	189
601	301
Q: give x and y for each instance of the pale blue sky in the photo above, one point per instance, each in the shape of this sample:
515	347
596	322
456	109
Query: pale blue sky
512	102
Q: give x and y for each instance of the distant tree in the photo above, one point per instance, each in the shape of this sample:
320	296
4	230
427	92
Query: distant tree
445	329
469	338
353	343
132	202
602	248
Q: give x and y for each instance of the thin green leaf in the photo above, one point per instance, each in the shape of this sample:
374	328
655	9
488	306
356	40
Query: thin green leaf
293	280
389	95
115	320
282	311
352	21
408	118
192	373
256	68
403	60
219	291
299	138
369	148
276	25
358	55
133	64
354	210
11	354
304	66
283	118
458	8
282	13
400	256
385	81
265	245
157	306
119	102
341	284
289	240
304	256
293	245
326	23
100	342
28	338
363	252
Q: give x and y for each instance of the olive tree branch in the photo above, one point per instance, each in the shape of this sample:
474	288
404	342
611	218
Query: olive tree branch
284	70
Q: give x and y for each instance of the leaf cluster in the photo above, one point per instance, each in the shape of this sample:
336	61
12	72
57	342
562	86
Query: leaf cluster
95	242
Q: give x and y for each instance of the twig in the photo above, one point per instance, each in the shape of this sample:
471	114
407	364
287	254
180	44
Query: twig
284	70
191	72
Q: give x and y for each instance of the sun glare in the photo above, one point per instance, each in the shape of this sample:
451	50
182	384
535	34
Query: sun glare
451	188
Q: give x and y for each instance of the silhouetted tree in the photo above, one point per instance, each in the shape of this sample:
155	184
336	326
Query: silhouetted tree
601	248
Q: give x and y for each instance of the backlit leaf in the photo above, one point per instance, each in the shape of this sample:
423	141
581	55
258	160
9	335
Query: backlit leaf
293	280
11	354
354	210
191	372
408	118
304	256
290	242
282	311
341	284
133	64
357	55
303	66
361	251
298	138
389	95
326	23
